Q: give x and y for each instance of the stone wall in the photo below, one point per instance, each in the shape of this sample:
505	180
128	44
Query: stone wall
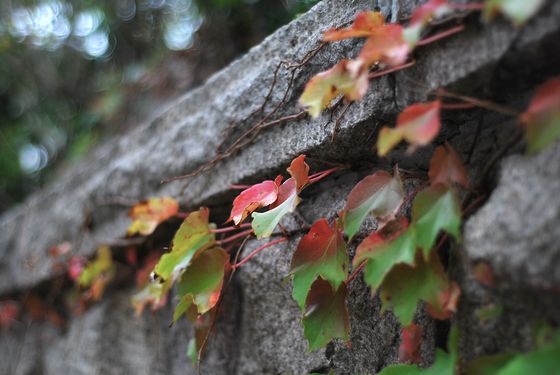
259	331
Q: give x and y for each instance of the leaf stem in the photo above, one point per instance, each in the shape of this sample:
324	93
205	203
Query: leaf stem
443	34
320	175
391	70
258	250
479	103
355	272
239	187
230	228
234	237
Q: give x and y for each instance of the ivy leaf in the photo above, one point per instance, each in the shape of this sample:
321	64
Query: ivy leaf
418	124
264	223
379	194
445	304
325	86
257	196
365	24
9	311
447	168
320	253
153	294
193	236
102	264
435	209
541	120
519	11
543	360
201	283
149	214
143	273
388	46
383	251
385	42
202	325
444	363
409	349
404	286
422	16
326	315
488	313
483	273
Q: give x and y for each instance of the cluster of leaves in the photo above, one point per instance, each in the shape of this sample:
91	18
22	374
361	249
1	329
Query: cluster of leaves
389	46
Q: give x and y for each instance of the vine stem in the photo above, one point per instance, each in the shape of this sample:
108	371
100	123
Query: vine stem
479	103
453	106
234	237
231	228
443	34
320	175
391	70
258	250
355	272
239	187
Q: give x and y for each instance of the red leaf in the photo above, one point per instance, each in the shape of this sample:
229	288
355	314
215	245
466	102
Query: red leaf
419	124
257	196
409	350
9	311
299	170
365	24
447	168
483	274
541	120
387	46
546	100
432	8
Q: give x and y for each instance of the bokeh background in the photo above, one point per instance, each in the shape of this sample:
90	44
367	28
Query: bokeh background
73	73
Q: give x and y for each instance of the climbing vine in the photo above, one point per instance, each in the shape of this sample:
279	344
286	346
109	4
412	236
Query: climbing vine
401	259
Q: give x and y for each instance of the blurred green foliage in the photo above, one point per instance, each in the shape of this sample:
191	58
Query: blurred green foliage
75	72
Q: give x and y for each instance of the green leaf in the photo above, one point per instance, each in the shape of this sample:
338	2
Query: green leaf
382	253
543	360
320	253
519	11
405	286
379	194
103	263
264	223
326	315
193	236
444	363
154	294
201	283
433	210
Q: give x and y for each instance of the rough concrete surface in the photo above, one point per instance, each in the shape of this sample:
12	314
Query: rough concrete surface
259	330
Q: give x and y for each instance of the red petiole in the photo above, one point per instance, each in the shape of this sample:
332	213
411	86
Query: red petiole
258	250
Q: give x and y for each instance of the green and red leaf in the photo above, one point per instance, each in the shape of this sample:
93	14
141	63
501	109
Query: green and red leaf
405	286
320	253
418	124
379	194
434	210
326	314
422	16
342	78
94	270
519	11
383	250
257	196
541	120
149	214
201	283
446	167
387	46
153	294
194	235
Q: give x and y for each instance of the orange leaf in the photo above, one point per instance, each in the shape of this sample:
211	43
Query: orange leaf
365	24
347	78
149	214
387	46
447	168
418	124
